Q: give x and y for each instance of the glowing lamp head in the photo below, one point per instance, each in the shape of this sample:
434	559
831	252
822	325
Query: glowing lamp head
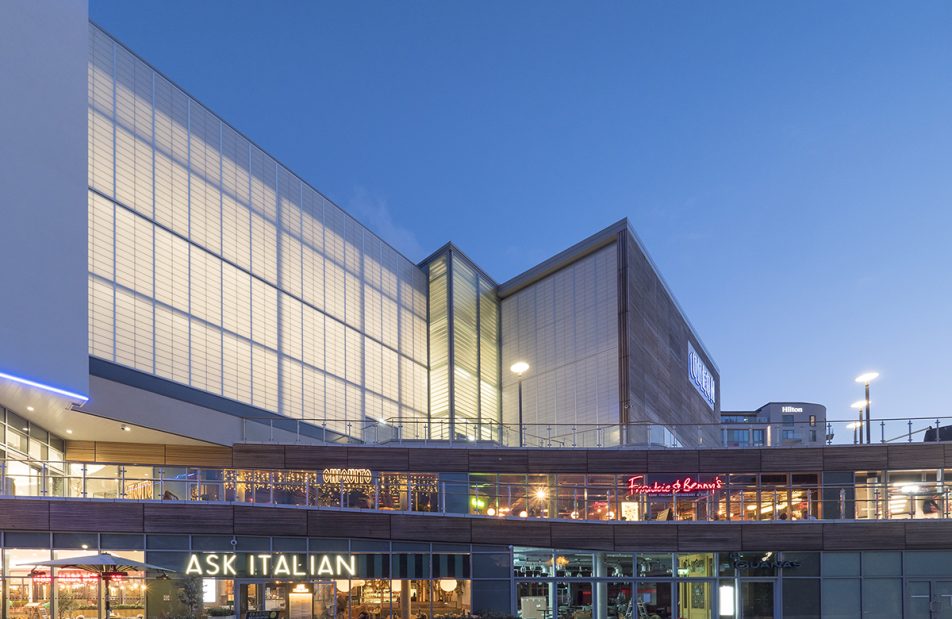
859	404
867	377
519	368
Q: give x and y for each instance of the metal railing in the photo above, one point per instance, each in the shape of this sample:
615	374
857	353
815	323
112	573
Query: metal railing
878	496
647	435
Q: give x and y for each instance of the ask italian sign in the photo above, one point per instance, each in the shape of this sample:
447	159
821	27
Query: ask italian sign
271	564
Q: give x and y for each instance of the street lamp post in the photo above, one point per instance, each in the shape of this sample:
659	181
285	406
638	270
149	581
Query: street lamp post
866	379
858	425
519	368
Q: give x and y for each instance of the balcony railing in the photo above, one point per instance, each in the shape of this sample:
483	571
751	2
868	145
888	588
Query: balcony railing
881	495
491	434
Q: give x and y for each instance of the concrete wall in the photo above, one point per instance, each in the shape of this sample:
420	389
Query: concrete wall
43	328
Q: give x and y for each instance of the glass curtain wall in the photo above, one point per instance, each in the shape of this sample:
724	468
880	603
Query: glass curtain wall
464	350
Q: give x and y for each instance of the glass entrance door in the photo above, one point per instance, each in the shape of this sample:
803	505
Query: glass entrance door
929	599
287	600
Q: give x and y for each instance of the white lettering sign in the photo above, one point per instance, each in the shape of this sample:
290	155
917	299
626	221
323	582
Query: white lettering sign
791	409
701	377
279	564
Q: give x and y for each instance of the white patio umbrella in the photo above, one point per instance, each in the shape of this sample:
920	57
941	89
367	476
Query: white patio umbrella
105	565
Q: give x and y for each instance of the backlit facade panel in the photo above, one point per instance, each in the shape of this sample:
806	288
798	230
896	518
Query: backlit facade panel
213	266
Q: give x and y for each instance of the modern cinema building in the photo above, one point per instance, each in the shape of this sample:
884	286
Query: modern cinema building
209	367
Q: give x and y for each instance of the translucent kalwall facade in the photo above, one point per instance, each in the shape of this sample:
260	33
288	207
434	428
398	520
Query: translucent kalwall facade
213	266
464	350
565	327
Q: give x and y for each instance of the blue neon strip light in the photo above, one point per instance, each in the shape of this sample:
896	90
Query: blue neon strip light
50	388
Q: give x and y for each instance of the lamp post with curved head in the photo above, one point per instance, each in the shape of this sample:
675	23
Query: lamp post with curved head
858	425
865	379
519	368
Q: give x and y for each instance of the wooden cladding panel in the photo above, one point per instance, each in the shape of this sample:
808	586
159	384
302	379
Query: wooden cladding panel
185	518
258	456
255	520
519	533
315	458
579	535
423	528
113	516
378	458
789	459
672	461
130	453
729	460
549	461
447	460
915	456
646	536
198	455
148	453
81	451
620	461
788	536
17	514
348	524
864	535
928	534
180	518
854	458
709	536
498	460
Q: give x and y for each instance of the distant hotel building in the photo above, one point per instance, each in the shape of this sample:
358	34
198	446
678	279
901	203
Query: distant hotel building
207	365
775	424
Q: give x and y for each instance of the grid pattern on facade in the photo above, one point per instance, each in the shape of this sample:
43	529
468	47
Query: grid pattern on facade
464	347
565	328
213	266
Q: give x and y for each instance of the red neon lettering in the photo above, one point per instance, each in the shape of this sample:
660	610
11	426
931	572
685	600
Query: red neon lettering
680	486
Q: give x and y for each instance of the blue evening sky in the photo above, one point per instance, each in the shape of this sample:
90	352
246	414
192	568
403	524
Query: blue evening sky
788	165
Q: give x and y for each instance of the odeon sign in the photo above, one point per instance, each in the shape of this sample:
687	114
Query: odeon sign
271	564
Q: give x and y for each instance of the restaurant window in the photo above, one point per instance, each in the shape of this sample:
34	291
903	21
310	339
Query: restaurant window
532	563
915	495
696	565
569	564
654	597
539	500
138	483
28	591
482	499
513	493
654	564
532	600
617	564
801	598
570	502
575	600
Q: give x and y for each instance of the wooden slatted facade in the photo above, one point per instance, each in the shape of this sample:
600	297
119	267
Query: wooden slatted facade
63	515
